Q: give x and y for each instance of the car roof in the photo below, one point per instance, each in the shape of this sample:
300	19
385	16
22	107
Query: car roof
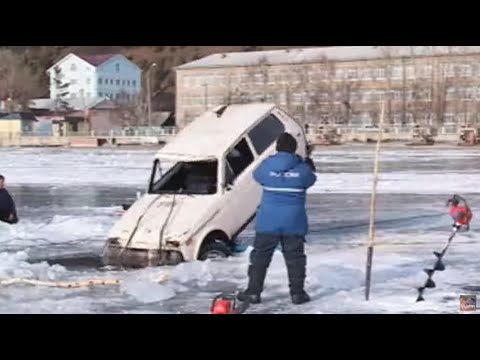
211	134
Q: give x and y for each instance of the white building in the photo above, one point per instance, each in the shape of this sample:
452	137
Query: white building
92	76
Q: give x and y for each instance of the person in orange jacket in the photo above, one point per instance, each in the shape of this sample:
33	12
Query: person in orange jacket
460	212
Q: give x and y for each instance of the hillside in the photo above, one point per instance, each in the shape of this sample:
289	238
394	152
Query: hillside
38	58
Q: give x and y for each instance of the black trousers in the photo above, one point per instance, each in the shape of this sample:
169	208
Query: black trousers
4	217
293	248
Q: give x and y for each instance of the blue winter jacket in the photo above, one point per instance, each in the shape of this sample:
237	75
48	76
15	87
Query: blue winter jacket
285	177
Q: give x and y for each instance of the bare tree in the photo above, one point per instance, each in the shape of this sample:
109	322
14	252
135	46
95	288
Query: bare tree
17	81
300	80
390	53
442	85
133	112
61	91
322	91
259	72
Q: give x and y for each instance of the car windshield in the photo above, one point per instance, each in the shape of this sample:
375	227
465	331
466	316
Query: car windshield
190	178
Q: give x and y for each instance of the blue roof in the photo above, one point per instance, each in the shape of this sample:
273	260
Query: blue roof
18	116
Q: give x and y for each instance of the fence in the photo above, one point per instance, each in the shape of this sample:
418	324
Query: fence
125	132
448	129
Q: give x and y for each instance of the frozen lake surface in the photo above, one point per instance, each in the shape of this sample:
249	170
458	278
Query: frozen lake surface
69	199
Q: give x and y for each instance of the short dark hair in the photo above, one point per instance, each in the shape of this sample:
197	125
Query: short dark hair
2	177
286	143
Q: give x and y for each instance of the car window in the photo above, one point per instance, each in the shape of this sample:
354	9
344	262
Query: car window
238	159
266	133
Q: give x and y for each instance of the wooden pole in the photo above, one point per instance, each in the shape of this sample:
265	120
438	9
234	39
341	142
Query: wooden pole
373	198
72	284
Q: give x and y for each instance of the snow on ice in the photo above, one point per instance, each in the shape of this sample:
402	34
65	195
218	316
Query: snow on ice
69	199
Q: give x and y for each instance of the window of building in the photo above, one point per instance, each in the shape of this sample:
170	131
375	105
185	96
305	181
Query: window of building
282	99
238	160
340	74
100	94
117	96
324	97
73	67
378	73
365	74
352	74
361	119
87	80
464	70
27	127
265	133
448	70
397	118
409	118
297	99
425	95
409	95
396	72
320	75
425	71
117	82
469	94
123	82
117	67
258	79
356	96
128	82
428	118
451	93
410	72
100	81
111	81
270	98
462	118
324	118
397	95
449	118
134	83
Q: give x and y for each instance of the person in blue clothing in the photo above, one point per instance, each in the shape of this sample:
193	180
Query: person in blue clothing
281	219
8	213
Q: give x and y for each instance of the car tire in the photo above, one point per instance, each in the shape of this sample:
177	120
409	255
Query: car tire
214	250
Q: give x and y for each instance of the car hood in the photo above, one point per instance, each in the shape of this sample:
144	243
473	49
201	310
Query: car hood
167	217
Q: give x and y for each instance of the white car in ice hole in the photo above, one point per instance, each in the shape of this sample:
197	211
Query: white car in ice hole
198	207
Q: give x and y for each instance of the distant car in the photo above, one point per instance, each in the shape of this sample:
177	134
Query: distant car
198	207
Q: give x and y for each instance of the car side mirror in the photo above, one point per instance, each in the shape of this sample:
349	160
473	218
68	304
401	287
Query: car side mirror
228	187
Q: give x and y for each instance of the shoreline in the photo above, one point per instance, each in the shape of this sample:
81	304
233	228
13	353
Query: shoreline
352	145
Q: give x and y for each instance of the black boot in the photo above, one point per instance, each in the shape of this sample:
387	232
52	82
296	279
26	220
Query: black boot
299	299
293	251
251	298
260	258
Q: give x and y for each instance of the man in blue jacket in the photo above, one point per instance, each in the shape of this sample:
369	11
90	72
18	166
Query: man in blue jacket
281	219
8	213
